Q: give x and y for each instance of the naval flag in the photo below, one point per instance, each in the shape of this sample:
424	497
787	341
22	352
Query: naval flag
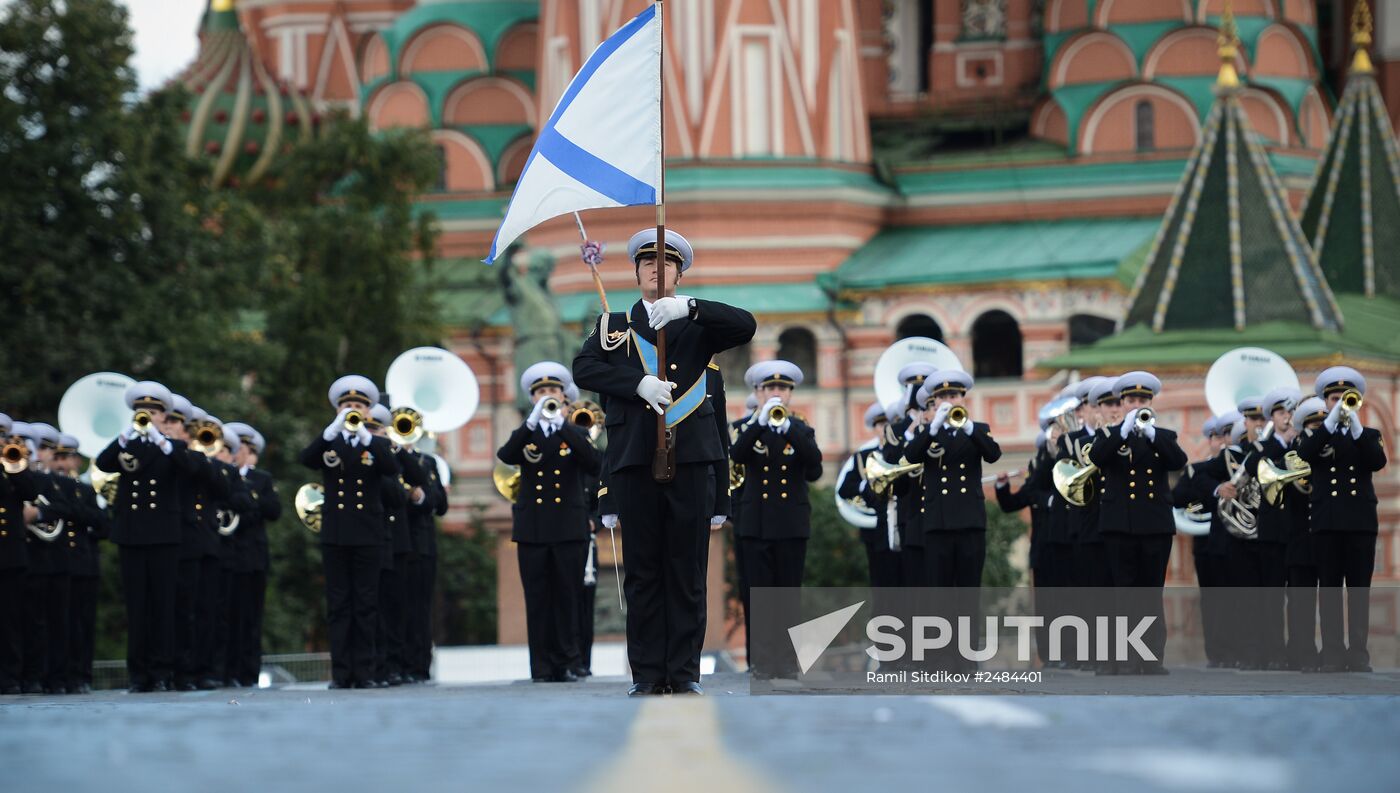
602	144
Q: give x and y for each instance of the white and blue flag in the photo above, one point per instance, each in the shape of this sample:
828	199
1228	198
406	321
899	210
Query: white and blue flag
602	144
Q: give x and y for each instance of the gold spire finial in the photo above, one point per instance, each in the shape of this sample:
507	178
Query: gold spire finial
221	5
1361	38
1229	41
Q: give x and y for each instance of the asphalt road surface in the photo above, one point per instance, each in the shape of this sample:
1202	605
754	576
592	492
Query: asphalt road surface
590	737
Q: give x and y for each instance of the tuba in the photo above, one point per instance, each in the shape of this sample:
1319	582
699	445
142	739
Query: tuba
882	475
309	500
1273	480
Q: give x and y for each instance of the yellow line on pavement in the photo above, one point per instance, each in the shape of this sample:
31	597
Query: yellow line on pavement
675	745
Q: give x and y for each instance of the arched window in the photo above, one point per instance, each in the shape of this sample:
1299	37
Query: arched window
1144	118
996	345
800	346
918	325
1086	329
441	184
733	362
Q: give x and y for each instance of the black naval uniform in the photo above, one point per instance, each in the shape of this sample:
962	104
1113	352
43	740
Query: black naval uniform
15	489
882	560
419	575
907	494
1197	486
251	587
352	532
662	523
550	529
1258	564
146	526
1300	559
732	430
953	517
222	647
88	524
388	628
46	598
196	587
1135	520
1345	523
1034	495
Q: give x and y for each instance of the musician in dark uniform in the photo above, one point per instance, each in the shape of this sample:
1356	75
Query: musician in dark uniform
882	561
1300	556
906	493
226	521
147	529
550	520
736	494
1344	455
664	524
87	523
401	493
780	453
46	585
1261	561
16	488
1034	494
1135	513
195	547
421	572
1195	491
353	465
251	583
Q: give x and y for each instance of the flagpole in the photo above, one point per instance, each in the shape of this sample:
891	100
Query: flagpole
592	256
663	467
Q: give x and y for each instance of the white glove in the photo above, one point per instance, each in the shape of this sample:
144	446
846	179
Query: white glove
1334	417
1150	431
667	310
609	522
1355	428
332	429
967	428
1128	422
153	435
363	436
782	429
533	422
940	417
767	406
716	521
915	416
655	392
555	424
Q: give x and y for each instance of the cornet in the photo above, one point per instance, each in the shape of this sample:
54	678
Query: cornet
588	416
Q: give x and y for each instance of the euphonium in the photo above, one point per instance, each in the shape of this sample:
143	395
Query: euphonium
1239	513
881	475
1272	479
957	417
310	498
405	426
14	456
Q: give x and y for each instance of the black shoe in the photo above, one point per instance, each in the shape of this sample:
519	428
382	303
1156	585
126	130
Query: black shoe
31	688
581	673
646	689
186	686
137	688
687	688
1359	667
160	687
56	691
336	684
231	683
207	684
394	679
11	691
564	676
1328	669
1309	669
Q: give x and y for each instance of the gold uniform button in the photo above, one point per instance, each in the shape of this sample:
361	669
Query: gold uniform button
962	479
391	518
342	481
359	506
1132	495
4	533
1353	481
133	506
1150	494
539	473
782	467
945	479
359	494
556	499
1132	484
72	545
2	510
557	486
765	481
1334	492
153	493
673	367
945	491
539	501
340	493
765	496
153	506
1149	472
1334	481
153	481
340	506
198	507
784	495
1353	492
964	490
539	487
1132	472
782	481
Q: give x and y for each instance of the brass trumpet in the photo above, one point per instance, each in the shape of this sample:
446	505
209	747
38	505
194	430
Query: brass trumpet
208	439
141	421
14	456
957	417
552	409
406	426
881	475
777	415
1145	418
1351	403
588	416
353	421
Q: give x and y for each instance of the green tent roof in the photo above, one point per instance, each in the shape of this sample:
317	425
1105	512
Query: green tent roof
993	252
1352	214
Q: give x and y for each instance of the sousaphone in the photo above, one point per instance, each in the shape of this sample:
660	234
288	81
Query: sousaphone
94	411
906	351
1246	372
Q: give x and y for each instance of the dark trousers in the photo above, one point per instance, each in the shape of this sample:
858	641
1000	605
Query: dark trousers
250	669
884	564
1137	566
1256	606
46	631
388	645
239	633
587	601
211	621
82	622
149	573
1208	583
663	526
11	627
1345	558
188	668
954	558
420	650
550	573
352	609
1302	615
773	563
